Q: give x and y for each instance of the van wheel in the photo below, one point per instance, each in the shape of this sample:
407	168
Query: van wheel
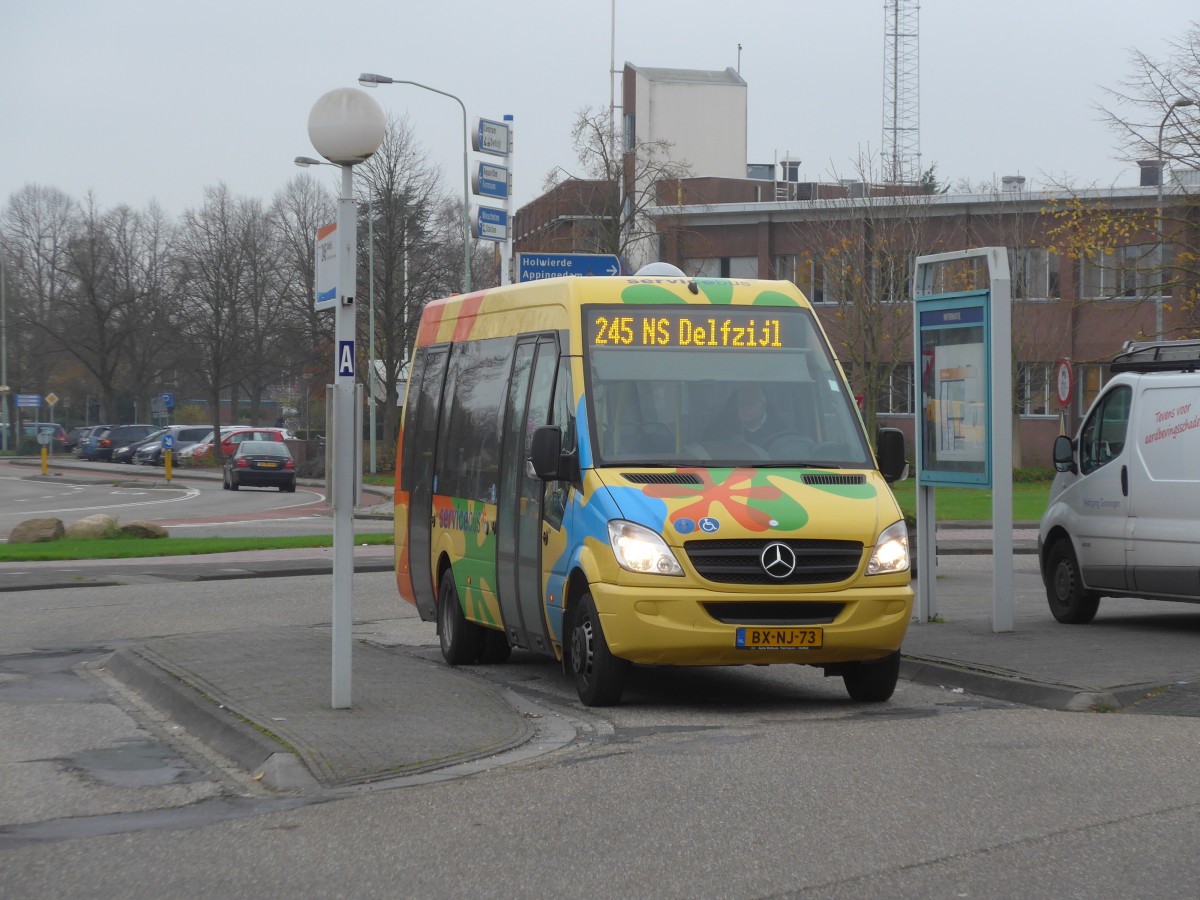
873	682
461	640
495	649
1070	603
599	676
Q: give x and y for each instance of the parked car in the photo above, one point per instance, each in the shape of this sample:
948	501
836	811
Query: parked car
150	453
74	435
229	440
30	431
119	436
128	451
88	445
265	463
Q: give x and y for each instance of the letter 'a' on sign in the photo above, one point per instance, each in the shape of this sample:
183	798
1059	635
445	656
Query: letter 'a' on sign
345	364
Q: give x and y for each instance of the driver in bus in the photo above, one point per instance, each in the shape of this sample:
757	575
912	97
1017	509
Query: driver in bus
757	423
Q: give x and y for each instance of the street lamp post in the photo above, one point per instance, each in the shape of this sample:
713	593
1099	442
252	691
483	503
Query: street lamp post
346	126
4	391
1158	306
304	162
368	79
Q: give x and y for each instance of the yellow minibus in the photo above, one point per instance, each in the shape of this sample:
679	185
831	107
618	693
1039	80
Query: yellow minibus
647	470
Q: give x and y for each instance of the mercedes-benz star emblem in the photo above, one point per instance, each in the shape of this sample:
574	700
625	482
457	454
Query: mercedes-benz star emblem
778	560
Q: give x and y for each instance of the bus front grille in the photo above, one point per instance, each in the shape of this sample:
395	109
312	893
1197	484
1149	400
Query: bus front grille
741	561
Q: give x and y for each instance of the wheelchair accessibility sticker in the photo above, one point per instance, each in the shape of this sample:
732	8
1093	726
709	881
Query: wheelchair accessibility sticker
709	525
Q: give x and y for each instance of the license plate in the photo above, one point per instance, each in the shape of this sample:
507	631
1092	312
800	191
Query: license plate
266	465
779	638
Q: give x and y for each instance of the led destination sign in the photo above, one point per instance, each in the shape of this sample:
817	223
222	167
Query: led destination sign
696	326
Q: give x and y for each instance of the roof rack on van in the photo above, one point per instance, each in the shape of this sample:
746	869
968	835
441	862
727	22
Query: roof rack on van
1157	356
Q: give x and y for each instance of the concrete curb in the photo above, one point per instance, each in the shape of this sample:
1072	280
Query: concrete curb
219	728
1014	689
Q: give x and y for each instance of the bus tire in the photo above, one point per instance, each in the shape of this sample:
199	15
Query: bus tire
495	649
599	676
461	640
873	682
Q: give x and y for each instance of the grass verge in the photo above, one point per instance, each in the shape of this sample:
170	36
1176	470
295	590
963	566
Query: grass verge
130	548
969	505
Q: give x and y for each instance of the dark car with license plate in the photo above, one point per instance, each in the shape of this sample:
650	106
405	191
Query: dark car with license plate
260	464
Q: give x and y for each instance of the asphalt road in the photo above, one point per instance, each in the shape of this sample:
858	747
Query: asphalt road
749	782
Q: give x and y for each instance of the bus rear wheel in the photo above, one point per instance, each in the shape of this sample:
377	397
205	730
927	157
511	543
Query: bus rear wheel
461	640
599	676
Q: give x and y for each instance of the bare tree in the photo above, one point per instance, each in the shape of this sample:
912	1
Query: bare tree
39	224
262	307
858	255
298	210
414	223
211	282
1153	113
627	185
140	274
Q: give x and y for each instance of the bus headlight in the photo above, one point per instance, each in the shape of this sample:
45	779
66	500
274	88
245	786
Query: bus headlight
891	551
638	549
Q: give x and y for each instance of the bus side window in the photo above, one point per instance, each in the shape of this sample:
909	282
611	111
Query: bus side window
563	415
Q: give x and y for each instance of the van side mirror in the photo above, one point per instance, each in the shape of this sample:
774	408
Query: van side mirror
889	443
1064	455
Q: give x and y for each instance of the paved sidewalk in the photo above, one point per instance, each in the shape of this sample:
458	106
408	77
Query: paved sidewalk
251	695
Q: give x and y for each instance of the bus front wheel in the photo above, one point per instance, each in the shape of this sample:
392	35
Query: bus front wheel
599	676
461	640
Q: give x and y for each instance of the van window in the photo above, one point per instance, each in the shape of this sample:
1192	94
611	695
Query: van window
1103	435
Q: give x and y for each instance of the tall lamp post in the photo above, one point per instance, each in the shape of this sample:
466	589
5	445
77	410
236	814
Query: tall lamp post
304	162
1158	306
346	126
4	391
368	79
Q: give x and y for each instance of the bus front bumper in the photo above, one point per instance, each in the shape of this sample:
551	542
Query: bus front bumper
674	628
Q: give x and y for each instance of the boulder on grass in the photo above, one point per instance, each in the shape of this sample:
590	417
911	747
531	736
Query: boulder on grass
91	528
36	531
143	530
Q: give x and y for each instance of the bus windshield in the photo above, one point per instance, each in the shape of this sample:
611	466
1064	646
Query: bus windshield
716	386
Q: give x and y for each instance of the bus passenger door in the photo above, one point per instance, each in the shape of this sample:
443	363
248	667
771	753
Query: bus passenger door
424	425
519	512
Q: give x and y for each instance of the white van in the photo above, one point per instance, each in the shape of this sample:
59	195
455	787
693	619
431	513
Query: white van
1124	513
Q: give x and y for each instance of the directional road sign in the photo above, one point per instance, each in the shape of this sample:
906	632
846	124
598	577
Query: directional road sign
490	181
26	400
536	266
490	137
492	224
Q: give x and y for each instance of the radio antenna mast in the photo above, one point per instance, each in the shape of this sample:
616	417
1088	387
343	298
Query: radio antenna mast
901	161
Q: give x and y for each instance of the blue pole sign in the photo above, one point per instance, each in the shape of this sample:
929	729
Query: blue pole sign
492	224
490	181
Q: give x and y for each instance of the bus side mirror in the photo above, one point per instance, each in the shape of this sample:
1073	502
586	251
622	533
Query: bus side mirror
545	452
890	450
1064	454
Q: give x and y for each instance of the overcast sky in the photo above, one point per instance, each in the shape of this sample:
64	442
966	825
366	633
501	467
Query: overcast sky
141	100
